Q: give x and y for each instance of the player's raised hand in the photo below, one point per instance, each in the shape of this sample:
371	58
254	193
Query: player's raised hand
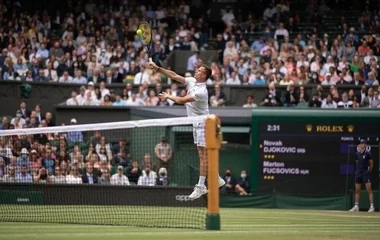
163	96
152	65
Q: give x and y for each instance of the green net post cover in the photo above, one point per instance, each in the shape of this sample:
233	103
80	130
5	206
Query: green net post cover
213	221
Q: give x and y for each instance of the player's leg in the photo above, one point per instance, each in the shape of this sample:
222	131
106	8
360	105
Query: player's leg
200	189
368	187
358	186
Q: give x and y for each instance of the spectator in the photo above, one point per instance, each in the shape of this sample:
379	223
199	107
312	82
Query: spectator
243	187
367	100
328	102
192	62
89	177
162	179
42	176
74	100
250	102
48	162
218	98
345	102
229	187
2	168
134	172
119	102
58	176
66	78
105	178
291	97
315	102
79	79
119	178
74	177
4	124
23	159
24	176
134	101
10	177
148	177
163	152
75	136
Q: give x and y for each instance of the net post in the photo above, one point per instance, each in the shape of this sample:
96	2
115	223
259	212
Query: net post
213	143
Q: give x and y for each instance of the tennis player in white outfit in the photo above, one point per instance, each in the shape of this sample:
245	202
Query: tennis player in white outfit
196	102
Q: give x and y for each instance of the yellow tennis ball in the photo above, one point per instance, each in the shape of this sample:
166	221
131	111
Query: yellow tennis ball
139	32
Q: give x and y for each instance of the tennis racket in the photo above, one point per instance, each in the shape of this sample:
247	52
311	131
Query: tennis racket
144	31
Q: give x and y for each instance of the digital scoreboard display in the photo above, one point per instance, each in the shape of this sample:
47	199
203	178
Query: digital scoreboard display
307	158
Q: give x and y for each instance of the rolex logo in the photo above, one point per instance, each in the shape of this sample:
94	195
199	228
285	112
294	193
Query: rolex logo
309	128
350	128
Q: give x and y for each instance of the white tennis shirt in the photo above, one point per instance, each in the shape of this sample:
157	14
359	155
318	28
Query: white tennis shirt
198	91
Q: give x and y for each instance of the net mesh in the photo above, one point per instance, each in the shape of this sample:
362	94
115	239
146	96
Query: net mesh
136	173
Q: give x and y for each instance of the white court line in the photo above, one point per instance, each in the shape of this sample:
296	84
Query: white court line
205	233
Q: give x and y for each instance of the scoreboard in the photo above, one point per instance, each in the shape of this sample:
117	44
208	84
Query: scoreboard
311	154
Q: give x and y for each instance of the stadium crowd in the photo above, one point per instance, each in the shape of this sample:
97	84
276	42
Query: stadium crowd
90	46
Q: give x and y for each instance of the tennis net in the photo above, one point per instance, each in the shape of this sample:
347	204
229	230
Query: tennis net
133	173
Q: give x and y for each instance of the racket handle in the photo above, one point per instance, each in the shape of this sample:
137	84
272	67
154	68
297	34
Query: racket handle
150	60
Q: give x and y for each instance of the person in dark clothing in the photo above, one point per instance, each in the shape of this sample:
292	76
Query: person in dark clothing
243	186
364	167
230	183
134	172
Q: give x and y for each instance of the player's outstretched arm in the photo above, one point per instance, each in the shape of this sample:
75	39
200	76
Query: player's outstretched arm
176	99
170	74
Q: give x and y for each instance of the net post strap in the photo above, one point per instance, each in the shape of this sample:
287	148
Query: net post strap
163	122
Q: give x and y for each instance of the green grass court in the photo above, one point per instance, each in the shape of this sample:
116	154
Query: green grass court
237	224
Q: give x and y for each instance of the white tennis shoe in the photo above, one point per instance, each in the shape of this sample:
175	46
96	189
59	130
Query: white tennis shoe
199	190
371	209
221	182
354	209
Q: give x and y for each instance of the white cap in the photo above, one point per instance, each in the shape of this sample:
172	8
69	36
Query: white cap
24	151
90	84
328	74
73	120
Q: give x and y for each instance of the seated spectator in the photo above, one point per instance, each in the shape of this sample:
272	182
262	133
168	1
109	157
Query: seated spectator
4	124
79	78
218	98
2	168
58	177
106	101
24	176
162	179
74	177
141	77
42	176
273	97
291	97
119	102
23	159
119	178
134	101
10	176
148	177
315	102
89	176
89	100
328	102
74	100
229	187
105	178
371	81
243	187
152	100
250	102
66	78
41	77
75	136
367	100
345	102
134	172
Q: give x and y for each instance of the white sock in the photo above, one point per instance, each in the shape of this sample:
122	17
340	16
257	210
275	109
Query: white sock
356	204
372	205
202	180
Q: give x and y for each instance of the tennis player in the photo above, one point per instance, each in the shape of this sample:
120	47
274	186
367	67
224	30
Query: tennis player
363	175
196	102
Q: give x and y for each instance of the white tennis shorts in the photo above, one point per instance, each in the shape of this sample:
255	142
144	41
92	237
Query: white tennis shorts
199	135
